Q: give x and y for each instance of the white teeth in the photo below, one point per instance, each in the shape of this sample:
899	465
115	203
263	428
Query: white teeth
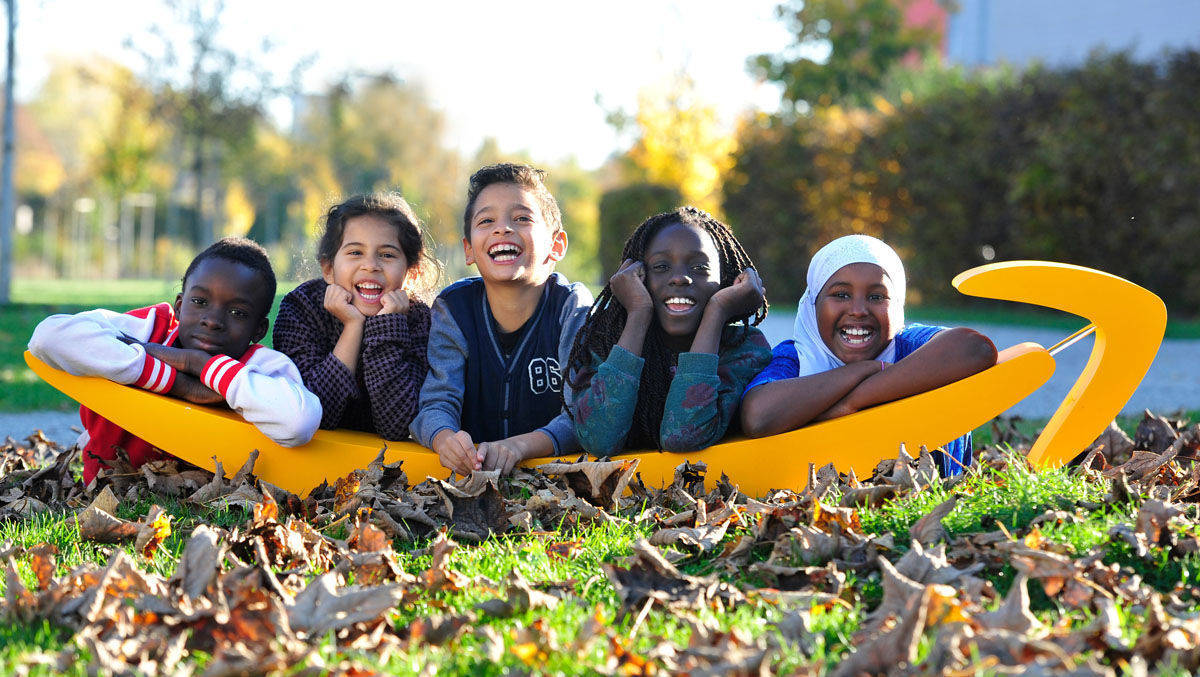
502	253
857	335
369	290
680	300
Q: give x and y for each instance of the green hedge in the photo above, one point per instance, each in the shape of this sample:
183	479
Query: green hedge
1097	165
624	209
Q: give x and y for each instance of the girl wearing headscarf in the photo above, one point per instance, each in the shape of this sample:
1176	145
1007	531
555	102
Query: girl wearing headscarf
852	350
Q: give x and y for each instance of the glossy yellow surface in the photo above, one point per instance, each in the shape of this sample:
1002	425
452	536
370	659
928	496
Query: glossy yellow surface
1129	321
197	433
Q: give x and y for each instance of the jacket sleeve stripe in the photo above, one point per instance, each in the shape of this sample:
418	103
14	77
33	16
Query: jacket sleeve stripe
219	372
156	376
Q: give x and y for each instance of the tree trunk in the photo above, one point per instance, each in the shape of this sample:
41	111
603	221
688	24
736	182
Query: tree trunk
6	174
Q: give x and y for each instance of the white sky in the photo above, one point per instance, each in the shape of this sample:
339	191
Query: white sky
525	72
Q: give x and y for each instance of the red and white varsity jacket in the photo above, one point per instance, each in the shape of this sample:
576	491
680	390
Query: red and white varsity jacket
263	386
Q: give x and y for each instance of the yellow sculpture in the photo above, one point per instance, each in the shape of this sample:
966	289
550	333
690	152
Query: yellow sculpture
1128	320
1127	317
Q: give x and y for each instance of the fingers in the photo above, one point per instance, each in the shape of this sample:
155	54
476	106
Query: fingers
395	301
510	461
457	452
465	450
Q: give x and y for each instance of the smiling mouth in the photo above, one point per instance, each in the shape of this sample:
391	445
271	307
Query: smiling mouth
206	344
679	304
856	337
505	252
369	291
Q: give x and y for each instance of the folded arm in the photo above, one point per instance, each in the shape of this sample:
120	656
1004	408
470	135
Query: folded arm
951	355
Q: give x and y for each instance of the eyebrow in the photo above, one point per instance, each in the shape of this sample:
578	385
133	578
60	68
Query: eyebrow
236	299
360	244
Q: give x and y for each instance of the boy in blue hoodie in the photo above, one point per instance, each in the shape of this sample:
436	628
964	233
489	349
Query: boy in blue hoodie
498	341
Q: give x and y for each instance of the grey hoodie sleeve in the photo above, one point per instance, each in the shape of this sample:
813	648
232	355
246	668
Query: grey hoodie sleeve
561	429
442	394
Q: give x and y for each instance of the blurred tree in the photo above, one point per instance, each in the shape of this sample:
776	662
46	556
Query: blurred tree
377	132
212	96
7	195
679	142
843	50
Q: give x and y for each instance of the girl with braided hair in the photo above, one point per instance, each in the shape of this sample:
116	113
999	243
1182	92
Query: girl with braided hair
668	346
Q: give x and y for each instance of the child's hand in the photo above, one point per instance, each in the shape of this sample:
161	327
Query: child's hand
456	451
340	303
628	286
502	455
740	298
188	387
186	360
395	301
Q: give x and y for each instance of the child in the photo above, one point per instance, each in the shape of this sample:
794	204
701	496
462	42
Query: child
203	349
851	349
676	345
356	334
498	340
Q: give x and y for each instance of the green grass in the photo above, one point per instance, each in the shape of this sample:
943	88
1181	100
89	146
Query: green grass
1008	498
33	300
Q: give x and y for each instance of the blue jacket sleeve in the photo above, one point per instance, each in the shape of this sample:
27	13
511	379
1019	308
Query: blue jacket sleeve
560	429
441	397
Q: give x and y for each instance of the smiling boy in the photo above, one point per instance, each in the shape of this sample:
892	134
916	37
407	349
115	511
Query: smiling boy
493	396
202	349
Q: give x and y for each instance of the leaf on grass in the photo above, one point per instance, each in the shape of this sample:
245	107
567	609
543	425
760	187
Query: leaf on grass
200	562
474	505
703	538
650	576
320	609
99	526
599	482
42	561
929	529
519	598
152	532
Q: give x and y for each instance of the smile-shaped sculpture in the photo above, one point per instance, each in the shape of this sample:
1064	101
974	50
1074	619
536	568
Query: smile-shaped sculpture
1129	323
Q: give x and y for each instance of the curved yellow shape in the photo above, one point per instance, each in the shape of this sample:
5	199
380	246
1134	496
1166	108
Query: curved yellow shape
197	433
1129	320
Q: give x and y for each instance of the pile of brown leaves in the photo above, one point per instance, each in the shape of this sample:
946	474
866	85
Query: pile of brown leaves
266	594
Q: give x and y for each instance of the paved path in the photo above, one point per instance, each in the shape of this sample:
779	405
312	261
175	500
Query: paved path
1172	383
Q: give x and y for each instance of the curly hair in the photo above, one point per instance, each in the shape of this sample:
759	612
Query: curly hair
395	210
606	319
245	252
529	178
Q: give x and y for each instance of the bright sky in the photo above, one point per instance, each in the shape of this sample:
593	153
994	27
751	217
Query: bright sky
526	72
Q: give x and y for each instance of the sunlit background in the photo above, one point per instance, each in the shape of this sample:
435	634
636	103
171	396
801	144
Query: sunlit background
963	131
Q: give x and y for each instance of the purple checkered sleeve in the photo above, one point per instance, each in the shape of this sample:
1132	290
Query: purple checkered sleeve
382	395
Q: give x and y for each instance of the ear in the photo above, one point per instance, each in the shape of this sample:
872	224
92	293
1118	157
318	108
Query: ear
558	246
327	271
178	303
261	332
468	252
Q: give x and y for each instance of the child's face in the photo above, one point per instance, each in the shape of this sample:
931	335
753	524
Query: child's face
369	263
510	241
683	271
852	312
222	309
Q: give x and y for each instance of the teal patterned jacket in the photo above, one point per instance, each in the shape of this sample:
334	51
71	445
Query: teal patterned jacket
704	395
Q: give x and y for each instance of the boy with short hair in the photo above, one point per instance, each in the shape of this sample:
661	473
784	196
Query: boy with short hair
202	349
498	341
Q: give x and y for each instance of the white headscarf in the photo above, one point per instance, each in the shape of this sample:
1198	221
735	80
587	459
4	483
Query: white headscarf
814	356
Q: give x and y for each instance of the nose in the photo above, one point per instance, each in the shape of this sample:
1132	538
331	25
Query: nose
858	306
501	226
371	263
212	318
680	278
